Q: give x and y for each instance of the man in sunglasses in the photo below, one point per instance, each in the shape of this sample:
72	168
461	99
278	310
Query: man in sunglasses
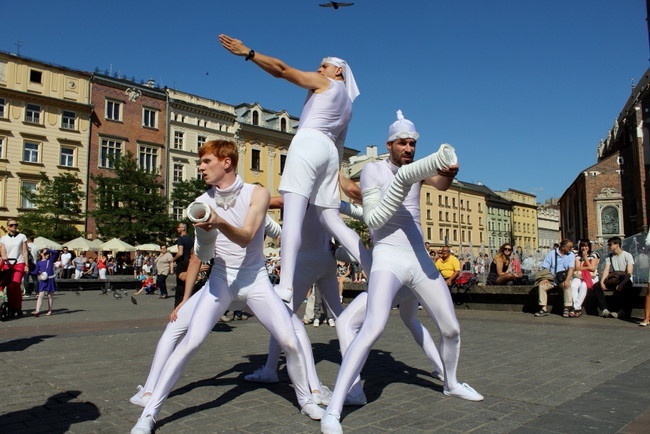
13	245
448	265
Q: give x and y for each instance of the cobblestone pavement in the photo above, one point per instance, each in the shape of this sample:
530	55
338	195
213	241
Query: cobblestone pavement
74	372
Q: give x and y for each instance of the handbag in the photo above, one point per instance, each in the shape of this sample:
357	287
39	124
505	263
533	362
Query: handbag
42	276
614	278
560	276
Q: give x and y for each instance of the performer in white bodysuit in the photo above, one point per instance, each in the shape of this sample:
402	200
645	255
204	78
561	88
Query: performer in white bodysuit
311	171
399	236
238	274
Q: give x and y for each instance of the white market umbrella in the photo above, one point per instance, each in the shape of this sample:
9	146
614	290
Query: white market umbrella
117	245
96	244
149	247
44	243
81	244
172	249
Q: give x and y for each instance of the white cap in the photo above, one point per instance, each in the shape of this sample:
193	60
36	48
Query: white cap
402	129
348	77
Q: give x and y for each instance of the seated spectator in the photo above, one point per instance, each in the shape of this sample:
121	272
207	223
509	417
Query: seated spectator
342	275
584	277
148	285
617	276
448	265
501	272
557	271
79	262
91	271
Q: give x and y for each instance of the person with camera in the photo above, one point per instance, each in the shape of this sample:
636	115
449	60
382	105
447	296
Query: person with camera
560	263
617	277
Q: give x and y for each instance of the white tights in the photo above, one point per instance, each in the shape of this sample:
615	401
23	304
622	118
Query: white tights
383	286
211	305
295	207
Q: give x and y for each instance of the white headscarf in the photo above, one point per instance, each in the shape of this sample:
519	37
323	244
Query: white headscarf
348	77
402	129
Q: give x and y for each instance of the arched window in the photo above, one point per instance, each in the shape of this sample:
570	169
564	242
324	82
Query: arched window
609	220
283	125
256	118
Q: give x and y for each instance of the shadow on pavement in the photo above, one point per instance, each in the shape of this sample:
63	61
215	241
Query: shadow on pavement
23	343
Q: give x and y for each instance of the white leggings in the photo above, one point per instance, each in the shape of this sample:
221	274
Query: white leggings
350	321
295	207
579	292
212	304
383	286
311	271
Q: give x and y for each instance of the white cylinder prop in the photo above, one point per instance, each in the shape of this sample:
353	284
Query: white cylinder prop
203	240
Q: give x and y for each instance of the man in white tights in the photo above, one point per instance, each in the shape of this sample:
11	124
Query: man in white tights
237	213
397	234
311	171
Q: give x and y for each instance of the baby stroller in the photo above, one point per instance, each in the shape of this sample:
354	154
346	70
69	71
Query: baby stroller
462	287
7	309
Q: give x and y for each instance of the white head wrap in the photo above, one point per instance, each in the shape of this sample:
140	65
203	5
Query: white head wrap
348	77
402	129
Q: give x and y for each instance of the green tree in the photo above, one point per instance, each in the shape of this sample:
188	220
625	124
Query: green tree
129	204
360	228
185	192
57	208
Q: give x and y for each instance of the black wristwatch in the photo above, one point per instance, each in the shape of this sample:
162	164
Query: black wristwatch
250	55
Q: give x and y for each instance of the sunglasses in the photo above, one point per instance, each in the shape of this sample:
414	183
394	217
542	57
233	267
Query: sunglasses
508	249
13	225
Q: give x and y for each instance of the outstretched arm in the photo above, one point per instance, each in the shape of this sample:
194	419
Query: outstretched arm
276	67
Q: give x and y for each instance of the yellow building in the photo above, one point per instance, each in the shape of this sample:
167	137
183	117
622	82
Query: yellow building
44	127
524	219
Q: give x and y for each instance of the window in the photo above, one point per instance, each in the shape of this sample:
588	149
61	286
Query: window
255	159
35	76
446	201
455	235
67	157
256	118
428	198
177	213
113	110
440	235
30	152
428	233
439	215
283	161
3	104
111	149
200	140
429	215
179	140
148	159
29	187
453	202
33	114
3	141
68	120
283	125
178	172
149	118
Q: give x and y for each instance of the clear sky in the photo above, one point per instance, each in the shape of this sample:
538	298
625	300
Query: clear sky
524	89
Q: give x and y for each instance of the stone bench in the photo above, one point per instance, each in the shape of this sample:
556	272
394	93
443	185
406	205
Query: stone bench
519	298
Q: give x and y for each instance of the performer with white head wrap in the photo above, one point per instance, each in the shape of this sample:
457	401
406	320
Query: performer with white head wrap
311	170
391	202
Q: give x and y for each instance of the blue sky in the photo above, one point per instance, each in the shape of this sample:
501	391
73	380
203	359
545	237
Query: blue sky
523	89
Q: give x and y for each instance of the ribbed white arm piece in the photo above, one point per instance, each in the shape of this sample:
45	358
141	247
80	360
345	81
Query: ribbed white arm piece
203	240
351	210
272	228
378	210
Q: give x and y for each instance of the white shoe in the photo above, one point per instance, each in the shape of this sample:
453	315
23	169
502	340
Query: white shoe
144	425
139	398
357	399
331	322
316	323
286	294
322	397
464	391
262	376
438	375
329	424
312	410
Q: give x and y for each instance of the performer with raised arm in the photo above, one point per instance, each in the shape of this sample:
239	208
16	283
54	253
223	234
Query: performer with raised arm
311	171
397	233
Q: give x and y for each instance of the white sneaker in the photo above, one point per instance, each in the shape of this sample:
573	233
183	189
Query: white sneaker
322	397
463	391
316	323
139	398
356	399
312	410
331	322
438	375
144	425
262	376
286	294
329	424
